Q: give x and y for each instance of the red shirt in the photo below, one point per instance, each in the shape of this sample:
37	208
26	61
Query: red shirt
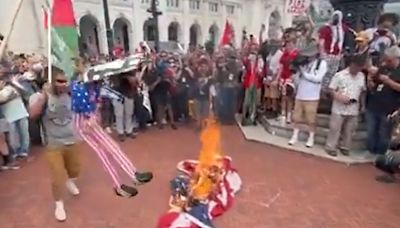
325	33
251	77
286	59
118	51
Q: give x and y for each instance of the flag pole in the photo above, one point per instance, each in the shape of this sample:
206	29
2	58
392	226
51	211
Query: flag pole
7	36
49	56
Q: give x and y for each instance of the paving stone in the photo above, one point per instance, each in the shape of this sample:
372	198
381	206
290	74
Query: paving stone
313	193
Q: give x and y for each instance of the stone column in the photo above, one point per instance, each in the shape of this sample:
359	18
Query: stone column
102	33
258	13
162	22
287	18
137	25
185	26
204	23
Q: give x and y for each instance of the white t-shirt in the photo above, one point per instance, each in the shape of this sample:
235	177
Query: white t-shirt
14	109
309	84
350	86
273	62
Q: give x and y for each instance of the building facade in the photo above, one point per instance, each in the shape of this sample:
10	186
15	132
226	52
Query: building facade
28	33
183	21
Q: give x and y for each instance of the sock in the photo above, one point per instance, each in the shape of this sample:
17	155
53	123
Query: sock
59	204
294	138
311	135
295	133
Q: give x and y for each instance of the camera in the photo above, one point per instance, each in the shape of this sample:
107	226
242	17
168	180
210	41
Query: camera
388	163
299	61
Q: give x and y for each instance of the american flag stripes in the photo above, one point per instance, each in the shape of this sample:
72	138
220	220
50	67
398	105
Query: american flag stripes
93	134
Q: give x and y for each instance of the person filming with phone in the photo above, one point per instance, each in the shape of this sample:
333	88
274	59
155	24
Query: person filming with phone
383	99
347	90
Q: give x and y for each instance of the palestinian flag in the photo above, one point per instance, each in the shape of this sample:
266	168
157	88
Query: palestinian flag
64	35
227	36
119	66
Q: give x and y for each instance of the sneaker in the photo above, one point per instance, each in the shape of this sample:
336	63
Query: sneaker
10	166
387	179
59	213
121	137
131	135
23	155
72	188
330	152
282	120
310	142
292	141
142	178
289	117
344	152
126	191
108	130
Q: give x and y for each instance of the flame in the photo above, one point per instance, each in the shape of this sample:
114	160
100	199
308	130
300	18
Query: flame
202	184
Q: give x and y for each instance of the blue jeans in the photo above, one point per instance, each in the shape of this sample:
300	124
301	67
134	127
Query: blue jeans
19	137
379	132
227	104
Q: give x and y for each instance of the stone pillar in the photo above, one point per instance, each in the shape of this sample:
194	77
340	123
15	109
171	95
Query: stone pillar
185	26
137	24
163	22
359	15
256	21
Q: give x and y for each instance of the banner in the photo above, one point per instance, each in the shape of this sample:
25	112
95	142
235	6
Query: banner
59	18
102	71
62	55
298	7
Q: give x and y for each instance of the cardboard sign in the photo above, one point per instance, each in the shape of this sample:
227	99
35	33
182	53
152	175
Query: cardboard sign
298	7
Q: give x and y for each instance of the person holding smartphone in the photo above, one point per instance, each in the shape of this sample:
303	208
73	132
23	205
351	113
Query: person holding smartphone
347	89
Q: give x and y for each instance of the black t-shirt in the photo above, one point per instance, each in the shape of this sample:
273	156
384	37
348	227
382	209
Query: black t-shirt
202	88
184	81
383	99
150	76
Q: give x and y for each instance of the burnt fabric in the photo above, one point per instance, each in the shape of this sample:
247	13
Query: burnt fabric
201	214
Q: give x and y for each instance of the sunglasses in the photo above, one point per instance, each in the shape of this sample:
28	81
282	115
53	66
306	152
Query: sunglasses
61	81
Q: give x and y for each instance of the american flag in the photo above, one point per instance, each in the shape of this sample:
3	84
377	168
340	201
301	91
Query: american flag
202	214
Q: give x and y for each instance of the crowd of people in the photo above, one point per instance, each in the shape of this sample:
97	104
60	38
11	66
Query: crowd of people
289	78
355	73
20	77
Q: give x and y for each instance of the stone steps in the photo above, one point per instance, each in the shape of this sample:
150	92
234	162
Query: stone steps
323	121
276	128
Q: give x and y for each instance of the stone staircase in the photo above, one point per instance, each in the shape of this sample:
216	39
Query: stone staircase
275	127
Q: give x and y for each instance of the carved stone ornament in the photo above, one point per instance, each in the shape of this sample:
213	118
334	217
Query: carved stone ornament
360	14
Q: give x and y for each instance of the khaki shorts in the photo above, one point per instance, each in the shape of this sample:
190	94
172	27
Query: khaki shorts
305	111
271	92
258	101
